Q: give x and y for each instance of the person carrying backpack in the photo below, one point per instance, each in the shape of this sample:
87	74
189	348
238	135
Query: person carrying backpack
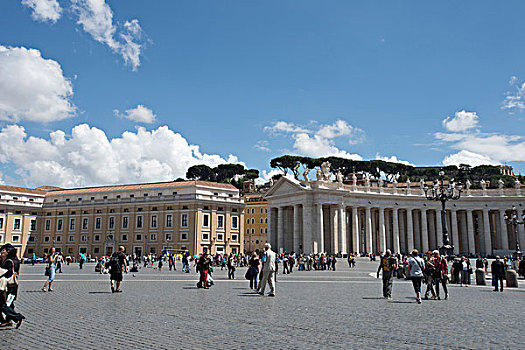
117	264
388	264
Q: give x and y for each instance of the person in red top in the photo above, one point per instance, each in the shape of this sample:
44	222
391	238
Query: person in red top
441	273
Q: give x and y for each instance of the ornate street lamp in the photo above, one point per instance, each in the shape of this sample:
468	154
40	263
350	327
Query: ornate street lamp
440	192
514	221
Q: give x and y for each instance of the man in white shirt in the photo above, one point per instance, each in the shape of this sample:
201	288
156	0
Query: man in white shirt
268	270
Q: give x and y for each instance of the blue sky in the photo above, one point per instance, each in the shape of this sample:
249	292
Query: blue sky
95	92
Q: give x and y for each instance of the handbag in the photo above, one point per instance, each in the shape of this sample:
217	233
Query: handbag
248	275
46	272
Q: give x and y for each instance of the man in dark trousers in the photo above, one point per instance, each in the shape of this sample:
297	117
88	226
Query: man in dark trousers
498	271
388	264
117	265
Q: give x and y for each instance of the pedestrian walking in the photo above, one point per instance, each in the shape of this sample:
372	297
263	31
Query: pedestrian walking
231	267
254	270
440	274
59	262
9	270
117	265
388	264
465	271
268	269
203	266
416	265
498	271
429	274
50	271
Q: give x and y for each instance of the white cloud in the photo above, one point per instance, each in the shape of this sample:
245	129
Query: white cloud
44	10
88	157
96	18
32	88
265	176
319	141
393	159
515	100
139	114
262	146
467	157
462	121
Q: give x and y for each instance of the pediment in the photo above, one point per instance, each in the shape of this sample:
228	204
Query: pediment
285	186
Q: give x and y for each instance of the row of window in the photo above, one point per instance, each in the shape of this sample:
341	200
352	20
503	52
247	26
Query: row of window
253	231
261	221
261	210
17	223
14	239
123	237
139	222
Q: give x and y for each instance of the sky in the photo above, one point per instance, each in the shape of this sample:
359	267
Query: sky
96	92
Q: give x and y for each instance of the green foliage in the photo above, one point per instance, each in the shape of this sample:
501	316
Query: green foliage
201	172
234	174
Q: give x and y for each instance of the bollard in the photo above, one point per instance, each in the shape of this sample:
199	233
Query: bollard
480	277
512	278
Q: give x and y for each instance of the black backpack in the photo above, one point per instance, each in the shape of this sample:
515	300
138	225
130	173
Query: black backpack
114	264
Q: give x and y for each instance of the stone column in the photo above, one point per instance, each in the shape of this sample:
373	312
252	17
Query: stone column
486	232
320	229
382	230
503	228
455	231
270	235
280	229
424	231
410	231
334	217
439	229
470	233
368	230
521	232
342	228
296	227
355	230
308	238
395	230
432	239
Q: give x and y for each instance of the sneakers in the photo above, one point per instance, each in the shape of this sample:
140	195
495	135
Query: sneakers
271	295
112	289
419	301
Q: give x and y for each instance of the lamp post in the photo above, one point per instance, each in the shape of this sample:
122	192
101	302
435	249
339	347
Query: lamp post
440	192
514	221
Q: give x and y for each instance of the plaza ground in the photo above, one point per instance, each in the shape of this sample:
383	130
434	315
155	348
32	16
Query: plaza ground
315	310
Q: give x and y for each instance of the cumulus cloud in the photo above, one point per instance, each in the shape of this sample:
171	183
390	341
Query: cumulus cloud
96	19
515	100
265	176
32	88
139	114
467	157
319	141
393	159
44	10
481	148
462	121
88	157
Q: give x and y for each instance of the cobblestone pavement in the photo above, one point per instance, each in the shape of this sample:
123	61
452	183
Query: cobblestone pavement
315	310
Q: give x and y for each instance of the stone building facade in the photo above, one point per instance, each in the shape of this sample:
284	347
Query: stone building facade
256	221
19	210
325	216
144	218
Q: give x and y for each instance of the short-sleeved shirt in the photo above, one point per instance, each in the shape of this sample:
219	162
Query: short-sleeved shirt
415	266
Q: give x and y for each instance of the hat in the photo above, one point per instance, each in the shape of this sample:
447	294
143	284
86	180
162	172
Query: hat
435	251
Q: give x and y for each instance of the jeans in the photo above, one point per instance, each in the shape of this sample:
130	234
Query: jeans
254	277
388	280
51	277
443	282
498	278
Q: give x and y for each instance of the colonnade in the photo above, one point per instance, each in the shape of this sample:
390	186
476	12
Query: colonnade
342	228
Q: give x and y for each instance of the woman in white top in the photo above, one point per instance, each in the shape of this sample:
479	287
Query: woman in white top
416	265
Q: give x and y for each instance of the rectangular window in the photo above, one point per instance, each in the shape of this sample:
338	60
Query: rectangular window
125	222
16	225
33	225
96	238
220	221
124	237
153	237
220	237
71	224
84	238
85	222
139	221
168	236
138	237
59	225
46	239
154	221
205	236
98	223
235	222
1	223
71	238
111	222
58	238
169	220
15	239
184	220
31	239
184	236
206	220
248	220
48	225
235	237
96	250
